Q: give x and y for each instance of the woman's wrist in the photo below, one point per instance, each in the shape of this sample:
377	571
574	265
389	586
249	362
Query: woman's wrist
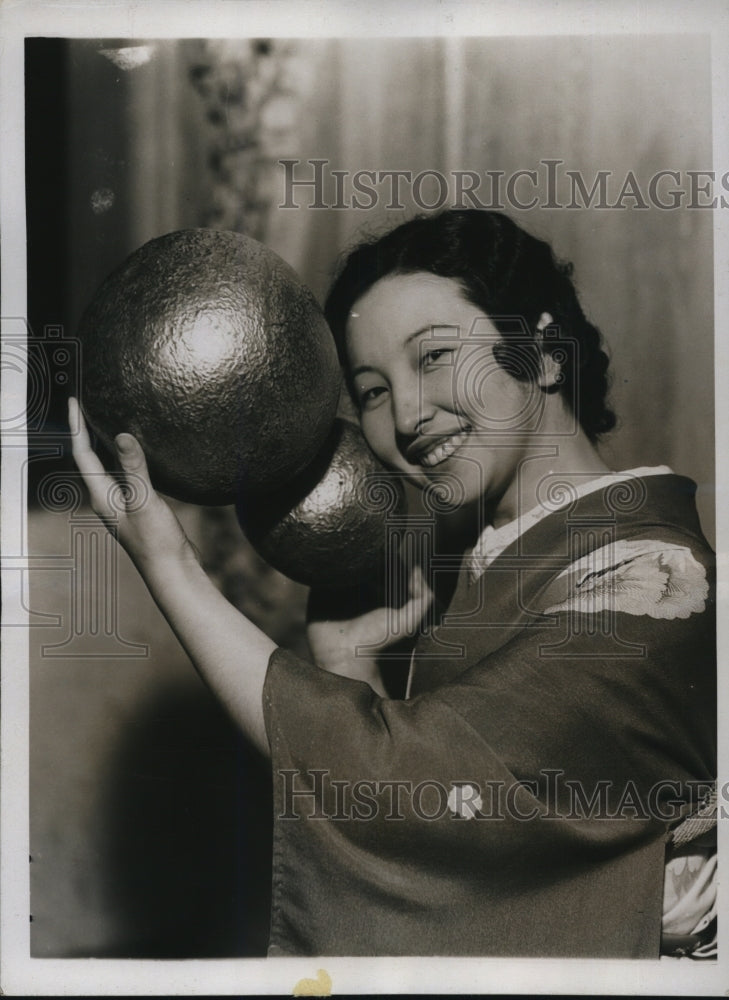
179	562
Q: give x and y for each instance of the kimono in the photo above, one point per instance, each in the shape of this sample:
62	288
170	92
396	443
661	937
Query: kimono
559	724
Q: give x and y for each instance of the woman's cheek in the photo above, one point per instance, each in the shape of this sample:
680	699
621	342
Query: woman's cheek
488	396
375	434
467	380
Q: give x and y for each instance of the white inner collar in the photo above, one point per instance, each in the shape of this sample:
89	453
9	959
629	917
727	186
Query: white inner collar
493	541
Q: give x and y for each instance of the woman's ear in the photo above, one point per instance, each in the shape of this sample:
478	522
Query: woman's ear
550	370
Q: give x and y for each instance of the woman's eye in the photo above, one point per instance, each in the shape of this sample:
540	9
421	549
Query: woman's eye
368	397
438	355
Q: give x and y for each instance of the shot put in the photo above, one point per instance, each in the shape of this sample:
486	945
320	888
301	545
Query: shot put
209	349
334	525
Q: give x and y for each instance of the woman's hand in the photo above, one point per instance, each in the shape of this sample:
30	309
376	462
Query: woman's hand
347	633
130	508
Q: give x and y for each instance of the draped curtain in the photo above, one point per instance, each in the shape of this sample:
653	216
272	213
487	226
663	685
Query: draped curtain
621	104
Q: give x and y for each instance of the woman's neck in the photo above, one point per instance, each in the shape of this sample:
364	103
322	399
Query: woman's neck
555	466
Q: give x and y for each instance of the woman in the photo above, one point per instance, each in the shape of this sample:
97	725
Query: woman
559	722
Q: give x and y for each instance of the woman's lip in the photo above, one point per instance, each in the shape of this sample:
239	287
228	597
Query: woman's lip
433	453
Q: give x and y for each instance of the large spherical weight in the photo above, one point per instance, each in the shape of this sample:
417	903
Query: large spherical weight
330	527
207	347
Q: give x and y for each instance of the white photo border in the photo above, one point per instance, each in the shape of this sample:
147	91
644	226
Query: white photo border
21	974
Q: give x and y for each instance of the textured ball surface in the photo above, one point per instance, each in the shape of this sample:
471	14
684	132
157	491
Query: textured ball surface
331	526
208	348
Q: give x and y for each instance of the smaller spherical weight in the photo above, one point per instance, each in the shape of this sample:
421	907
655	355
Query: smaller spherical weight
336	523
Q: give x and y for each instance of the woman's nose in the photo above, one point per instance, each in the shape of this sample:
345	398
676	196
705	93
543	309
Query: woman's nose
411	413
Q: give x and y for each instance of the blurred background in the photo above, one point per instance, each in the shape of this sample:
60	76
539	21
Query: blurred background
150	819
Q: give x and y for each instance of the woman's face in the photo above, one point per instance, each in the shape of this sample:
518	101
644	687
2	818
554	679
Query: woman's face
433	400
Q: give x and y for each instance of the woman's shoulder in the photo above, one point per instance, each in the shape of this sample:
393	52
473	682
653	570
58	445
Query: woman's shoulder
641	550
638	576
574	515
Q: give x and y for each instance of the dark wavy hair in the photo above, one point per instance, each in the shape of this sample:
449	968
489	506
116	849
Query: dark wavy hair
510	275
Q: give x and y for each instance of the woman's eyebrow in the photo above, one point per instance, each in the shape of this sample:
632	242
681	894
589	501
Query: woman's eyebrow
430	328
419	333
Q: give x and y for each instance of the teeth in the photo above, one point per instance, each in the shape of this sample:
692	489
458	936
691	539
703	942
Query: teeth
444	449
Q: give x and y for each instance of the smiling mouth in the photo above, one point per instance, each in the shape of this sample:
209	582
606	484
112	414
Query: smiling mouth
443	450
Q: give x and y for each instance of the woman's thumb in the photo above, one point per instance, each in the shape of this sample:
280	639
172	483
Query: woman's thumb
418	587
131	455
420	598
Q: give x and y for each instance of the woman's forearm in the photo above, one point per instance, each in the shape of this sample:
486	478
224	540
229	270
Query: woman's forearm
229	652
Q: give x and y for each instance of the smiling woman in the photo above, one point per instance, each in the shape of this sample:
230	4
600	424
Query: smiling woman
422	413
464	339
557	674
544	786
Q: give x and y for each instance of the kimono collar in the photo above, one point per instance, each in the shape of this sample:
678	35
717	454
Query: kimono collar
493	541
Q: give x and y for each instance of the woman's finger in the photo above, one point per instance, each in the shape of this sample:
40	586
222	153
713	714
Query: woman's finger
421	597
86	458
136	474
417	585
88	462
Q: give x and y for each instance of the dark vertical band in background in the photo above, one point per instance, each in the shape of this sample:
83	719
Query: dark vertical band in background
46	203
168	840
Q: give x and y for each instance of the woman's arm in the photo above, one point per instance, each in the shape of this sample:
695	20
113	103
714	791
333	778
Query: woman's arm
229	652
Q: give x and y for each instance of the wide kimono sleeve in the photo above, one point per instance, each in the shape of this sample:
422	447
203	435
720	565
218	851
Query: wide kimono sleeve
522	808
